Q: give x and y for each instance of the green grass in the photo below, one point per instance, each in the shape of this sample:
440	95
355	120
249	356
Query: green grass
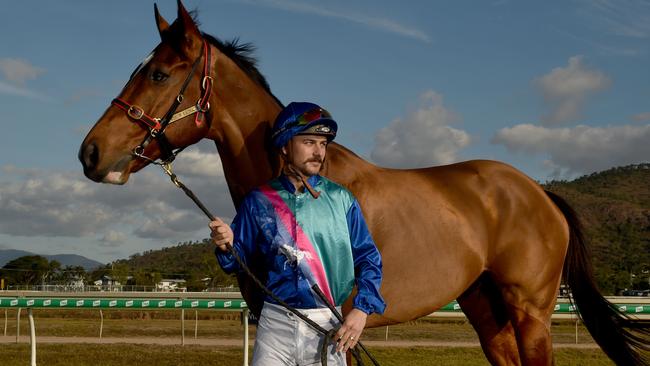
122	354
474	357
118	355
55	323
211	324
216	325
132	328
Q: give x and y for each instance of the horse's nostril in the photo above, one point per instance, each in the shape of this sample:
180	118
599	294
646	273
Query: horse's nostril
89	156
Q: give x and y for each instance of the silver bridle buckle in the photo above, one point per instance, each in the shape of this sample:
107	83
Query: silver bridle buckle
135	112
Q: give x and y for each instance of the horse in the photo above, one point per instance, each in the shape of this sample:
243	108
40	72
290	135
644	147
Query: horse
480	231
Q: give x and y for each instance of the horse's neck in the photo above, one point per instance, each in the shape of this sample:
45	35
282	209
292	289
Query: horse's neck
345	167
240	127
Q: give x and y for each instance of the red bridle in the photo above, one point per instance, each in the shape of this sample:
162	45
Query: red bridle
157	126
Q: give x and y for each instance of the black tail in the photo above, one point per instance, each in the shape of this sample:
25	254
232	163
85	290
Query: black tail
625	340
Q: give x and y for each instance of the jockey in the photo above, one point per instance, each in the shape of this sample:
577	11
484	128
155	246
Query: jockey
309	230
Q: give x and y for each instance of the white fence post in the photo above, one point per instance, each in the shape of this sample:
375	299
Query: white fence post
244	313
32	335
18	324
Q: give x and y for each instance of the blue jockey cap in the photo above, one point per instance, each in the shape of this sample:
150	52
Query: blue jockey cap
302	118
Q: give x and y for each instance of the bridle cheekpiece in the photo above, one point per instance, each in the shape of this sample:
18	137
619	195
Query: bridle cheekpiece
157	126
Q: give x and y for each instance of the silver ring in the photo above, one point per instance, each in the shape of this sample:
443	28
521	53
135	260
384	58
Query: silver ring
351	338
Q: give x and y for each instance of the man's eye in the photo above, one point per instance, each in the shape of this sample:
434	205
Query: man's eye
158	75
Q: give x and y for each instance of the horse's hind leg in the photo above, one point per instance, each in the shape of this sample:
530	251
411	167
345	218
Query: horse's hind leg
532	329
484	307
529	294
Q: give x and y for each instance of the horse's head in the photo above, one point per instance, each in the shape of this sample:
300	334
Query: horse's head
178	65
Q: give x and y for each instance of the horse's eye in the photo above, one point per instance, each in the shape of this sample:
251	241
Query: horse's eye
158	75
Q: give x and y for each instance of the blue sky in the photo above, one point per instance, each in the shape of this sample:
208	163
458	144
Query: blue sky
557	88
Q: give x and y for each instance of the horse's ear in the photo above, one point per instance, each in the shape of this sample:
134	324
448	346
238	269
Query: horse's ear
160	21
188	26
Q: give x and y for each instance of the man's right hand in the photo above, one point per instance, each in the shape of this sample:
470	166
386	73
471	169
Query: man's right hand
221	234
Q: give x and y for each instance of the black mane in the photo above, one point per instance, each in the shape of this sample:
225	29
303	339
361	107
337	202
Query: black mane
242	55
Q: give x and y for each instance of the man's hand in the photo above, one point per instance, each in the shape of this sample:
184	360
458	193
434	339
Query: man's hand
349	333
221	234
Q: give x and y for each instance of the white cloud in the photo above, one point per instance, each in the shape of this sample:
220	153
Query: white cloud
18	71
48	205
38	203
199	164
565	90
582	149
113	238
168	224
384	24
423	138
19	91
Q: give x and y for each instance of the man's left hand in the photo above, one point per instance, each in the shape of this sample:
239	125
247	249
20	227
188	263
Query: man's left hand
349	333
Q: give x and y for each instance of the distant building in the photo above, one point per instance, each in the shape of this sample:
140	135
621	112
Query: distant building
171	285
109	283
76	282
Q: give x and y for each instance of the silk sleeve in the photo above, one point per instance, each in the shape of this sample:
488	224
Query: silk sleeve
367	264
245	232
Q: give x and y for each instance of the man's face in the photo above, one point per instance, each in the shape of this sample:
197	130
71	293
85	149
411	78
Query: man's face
306	153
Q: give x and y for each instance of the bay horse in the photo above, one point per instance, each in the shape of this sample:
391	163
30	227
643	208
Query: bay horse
478	231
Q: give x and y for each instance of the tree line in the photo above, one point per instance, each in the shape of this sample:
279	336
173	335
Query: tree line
37	270
193	262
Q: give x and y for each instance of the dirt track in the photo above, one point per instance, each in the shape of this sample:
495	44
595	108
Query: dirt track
239	342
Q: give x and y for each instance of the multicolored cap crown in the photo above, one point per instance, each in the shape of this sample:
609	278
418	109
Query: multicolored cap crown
302	118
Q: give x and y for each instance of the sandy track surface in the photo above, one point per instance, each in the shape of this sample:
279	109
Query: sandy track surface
240	342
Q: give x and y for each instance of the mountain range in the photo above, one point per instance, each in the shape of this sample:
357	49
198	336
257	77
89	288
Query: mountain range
7	255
